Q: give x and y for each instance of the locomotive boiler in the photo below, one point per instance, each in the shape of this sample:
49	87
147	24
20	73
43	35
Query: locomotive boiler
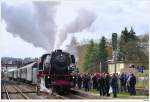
56	68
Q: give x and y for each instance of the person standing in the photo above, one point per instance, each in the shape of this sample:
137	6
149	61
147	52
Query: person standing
74	81
101	83
123	82
86	82
118	84
90	81
97	78
128	82
79	81
114	84
83	78
107	84
94	78
132	84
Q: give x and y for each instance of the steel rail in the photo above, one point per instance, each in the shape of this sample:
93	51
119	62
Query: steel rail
6	91
19	90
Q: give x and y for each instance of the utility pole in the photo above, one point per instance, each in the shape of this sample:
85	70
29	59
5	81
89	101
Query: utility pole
115	60
100	67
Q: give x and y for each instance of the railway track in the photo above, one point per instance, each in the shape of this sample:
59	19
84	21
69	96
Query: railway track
12	92
22	88
15	90
6	92
20	92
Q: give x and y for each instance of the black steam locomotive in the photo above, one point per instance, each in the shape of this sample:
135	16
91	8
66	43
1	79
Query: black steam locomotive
57	69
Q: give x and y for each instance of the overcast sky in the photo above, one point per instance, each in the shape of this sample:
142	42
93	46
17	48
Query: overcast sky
107	16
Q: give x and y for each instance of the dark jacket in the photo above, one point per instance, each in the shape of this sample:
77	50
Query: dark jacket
94	79
79	79
132	81
101	81
107	80
123	79
114	81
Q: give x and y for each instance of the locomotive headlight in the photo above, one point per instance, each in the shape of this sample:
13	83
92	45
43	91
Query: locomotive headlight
48	77
73	77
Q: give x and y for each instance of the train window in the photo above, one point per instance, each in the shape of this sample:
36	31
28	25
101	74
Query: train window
26	70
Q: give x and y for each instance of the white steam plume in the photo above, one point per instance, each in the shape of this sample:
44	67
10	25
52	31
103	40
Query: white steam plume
84	20
34	23
72	47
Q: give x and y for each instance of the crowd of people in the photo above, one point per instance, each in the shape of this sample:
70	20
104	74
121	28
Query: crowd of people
103	82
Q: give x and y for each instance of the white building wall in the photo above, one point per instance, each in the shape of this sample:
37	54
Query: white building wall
119	67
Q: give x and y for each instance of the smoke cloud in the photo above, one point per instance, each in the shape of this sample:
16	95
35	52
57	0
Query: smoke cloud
82	21
35	23
72	47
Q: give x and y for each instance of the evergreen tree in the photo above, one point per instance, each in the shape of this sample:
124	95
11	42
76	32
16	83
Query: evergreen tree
89	56
123	40
125	35
128	39
132	35
91	46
